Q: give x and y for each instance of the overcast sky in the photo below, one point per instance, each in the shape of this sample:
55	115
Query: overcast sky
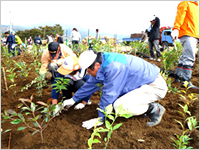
115	17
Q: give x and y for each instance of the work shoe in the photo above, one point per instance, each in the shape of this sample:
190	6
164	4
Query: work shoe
187	84
177	80
158	59
155	112
152	58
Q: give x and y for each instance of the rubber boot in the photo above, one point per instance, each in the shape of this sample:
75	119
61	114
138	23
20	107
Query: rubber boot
178	73
186	76
155	112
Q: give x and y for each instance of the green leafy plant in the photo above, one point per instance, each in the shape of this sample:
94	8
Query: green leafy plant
60	84
169	83
11	77
169	60
110	127
40	83
37	64
182	141
188	97
192	123
23	69
185	110
31	115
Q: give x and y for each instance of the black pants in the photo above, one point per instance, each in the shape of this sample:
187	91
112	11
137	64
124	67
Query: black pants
72	86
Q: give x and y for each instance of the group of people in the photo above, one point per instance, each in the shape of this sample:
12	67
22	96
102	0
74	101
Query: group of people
186	28
11	41
126	79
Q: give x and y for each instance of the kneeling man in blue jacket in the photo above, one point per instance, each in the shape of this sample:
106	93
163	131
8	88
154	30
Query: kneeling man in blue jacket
127	80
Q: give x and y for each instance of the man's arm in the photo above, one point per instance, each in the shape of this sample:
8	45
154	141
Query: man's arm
115	79
180	15
87	89
54	92
45	62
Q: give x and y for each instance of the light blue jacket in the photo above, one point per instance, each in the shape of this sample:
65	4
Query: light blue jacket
119	74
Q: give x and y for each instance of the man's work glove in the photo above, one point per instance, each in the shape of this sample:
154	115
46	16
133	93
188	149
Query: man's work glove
48	76
91	123
67	104
174	34
79	106
57	109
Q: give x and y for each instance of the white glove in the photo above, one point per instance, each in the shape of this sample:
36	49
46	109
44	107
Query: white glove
79	106
91	123
68	103
175	33
57	110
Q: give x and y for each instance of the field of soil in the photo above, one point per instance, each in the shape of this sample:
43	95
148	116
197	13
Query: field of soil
66	132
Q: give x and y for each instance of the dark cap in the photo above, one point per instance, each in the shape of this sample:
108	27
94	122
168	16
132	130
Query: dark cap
53	46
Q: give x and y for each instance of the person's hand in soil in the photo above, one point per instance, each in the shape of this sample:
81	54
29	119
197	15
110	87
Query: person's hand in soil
91	123
68	103
80	105
48	76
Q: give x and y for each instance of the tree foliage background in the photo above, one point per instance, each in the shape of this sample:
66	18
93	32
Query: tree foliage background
43	31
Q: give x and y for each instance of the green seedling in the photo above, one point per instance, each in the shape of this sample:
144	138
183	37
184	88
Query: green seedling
169	83
192	123
23	69
41	82
82	47
60	84
188	97
182	141
11	77
169	59
27	116
37	65
182	126
110	127
185	110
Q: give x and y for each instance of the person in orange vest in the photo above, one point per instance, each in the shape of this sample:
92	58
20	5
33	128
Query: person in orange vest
186	28
52	58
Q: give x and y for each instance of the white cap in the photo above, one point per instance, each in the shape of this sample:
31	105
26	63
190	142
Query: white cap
152	18
85	60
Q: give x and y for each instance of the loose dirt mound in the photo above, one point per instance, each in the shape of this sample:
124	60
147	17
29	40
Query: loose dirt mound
65	131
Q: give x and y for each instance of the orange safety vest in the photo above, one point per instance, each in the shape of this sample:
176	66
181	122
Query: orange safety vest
187	19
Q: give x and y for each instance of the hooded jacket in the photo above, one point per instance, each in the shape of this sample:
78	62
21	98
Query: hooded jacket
65	51
187	19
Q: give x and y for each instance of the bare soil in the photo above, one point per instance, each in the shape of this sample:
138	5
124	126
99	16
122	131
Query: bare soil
66	132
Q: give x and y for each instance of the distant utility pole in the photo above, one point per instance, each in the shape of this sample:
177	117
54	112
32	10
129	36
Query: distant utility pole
10	22
88	36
